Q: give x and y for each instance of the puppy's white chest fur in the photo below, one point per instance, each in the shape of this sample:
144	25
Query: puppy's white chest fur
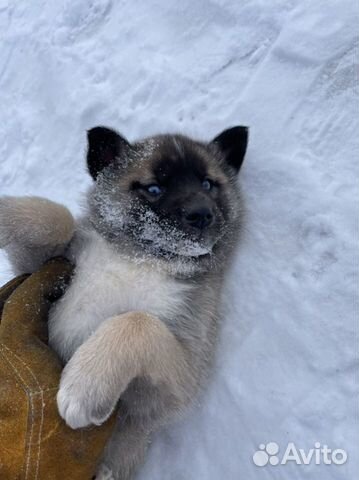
106	284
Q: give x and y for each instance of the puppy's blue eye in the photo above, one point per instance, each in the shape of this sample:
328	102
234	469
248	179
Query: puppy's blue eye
207	184
154	190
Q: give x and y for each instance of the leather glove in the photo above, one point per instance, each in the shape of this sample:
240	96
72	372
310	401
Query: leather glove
35	443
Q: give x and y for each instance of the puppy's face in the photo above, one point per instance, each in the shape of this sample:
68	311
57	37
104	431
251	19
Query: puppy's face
167	195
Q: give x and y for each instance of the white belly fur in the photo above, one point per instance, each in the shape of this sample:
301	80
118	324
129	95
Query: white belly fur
106	284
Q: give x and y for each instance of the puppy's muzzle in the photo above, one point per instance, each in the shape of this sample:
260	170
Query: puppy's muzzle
199	217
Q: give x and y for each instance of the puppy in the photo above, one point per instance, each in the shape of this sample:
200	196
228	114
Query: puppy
138	325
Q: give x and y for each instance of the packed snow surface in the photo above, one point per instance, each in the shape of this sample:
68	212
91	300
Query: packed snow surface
287	358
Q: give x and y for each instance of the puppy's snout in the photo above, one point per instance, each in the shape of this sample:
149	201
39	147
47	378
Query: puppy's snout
199	217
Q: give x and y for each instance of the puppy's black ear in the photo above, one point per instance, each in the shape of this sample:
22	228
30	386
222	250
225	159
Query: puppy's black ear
233	143
104	146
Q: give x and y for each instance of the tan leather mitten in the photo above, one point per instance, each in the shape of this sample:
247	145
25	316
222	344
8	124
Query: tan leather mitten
35	443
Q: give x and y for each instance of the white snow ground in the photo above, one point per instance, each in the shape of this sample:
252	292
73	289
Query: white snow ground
288	356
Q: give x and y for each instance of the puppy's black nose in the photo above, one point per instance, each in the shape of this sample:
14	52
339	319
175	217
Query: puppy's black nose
200	217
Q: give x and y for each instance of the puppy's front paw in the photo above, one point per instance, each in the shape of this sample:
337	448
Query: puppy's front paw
83	397
34	221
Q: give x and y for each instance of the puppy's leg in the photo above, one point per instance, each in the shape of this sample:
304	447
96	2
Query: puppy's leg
32	230
125	451
127	346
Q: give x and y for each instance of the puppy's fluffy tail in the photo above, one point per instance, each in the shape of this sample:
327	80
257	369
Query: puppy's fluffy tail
32	230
